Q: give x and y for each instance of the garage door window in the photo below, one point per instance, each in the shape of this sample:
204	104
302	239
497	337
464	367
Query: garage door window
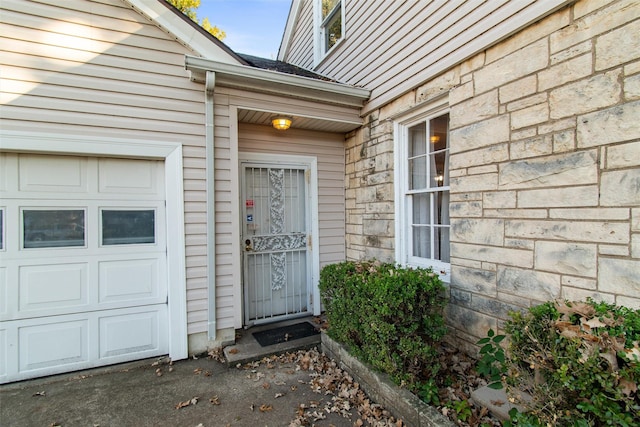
48	228
128	227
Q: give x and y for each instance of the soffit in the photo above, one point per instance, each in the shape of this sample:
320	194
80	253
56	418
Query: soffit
320	124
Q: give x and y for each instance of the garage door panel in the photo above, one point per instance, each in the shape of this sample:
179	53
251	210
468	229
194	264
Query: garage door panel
131	280
129	176
4	295
4	173
52	343
132	333
53	174
53	286
4	352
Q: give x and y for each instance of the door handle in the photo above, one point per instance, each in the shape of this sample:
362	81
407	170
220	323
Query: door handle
247	245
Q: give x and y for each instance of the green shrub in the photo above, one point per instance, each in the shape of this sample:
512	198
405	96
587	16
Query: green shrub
389	317
579	361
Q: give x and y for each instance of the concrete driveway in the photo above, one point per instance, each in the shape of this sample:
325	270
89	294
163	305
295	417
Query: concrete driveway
150	394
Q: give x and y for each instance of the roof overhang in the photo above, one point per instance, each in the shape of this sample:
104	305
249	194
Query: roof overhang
273	82
184	30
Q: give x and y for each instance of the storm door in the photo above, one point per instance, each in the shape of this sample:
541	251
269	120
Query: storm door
275	231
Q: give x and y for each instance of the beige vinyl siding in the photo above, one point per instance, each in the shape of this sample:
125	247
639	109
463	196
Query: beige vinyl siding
300	53
98	68
394	48
329	150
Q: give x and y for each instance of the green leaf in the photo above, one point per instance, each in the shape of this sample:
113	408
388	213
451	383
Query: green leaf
486	348
490	333
498	338
495	385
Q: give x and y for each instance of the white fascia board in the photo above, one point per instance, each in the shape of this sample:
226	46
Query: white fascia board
181	30
245	77
292	19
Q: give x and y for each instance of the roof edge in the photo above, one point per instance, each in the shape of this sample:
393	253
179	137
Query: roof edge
185	30
273	82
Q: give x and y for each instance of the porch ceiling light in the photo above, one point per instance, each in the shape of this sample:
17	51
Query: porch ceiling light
281	122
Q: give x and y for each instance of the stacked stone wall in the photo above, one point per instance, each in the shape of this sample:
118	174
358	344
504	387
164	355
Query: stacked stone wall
544	167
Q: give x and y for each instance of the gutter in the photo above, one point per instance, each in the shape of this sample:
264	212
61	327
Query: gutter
210	84
245	77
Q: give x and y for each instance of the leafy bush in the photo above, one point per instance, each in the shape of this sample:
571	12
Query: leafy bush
579	361
390	317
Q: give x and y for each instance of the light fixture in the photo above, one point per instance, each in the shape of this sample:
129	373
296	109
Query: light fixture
434	139
281	122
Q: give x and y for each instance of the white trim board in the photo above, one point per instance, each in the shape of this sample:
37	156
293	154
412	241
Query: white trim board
171	153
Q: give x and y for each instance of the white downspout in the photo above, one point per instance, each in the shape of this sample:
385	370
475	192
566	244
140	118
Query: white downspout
209	87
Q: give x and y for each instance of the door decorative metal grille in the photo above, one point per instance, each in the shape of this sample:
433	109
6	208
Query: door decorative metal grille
275	231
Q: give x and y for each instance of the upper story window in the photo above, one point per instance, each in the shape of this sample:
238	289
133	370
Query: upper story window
329	25
423	191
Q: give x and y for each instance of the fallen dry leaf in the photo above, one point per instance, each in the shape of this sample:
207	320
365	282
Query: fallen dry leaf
279	395
627	387
265	408
266	386
592	323
215	400
186	403
39	393
233	351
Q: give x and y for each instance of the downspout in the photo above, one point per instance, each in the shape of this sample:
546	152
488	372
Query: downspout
209	87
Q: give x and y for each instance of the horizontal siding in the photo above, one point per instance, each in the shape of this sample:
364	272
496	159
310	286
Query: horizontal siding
98	68
299	52
393	49
329	151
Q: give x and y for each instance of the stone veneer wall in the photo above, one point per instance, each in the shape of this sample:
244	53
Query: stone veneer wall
545	168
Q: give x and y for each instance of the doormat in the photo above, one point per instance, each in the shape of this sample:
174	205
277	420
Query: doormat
285	333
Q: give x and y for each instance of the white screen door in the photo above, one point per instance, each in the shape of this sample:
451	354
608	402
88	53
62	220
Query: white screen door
274	239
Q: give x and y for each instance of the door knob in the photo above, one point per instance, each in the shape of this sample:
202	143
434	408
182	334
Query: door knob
247	245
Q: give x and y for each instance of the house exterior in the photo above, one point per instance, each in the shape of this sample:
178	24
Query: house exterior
501	144
148	207
142	186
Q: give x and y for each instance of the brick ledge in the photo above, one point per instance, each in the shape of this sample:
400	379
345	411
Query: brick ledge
400	402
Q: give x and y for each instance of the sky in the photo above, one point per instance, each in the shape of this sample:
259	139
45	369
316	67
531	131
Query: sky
254	27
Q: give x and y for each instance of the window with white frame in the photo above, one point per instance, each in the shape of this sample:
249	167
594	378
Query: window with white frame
330	29
423	177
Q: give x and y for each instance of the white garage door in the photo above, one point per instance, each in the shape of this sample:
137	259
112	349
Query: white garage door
83	263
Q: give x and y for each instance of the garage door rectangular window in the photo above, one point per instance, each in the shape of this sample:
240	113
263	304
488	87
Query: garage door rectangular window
49	228
128	227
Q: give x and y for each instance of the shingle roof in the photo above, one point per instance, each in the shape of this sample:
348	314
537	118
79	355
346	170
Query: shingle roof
282	67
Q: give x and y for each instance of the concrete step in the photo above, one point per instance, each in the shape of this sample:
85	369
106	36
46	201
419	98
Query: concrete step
247	349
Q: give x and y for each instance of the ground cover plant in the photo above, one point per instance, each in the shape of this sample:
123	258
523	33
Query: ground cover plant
578	361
